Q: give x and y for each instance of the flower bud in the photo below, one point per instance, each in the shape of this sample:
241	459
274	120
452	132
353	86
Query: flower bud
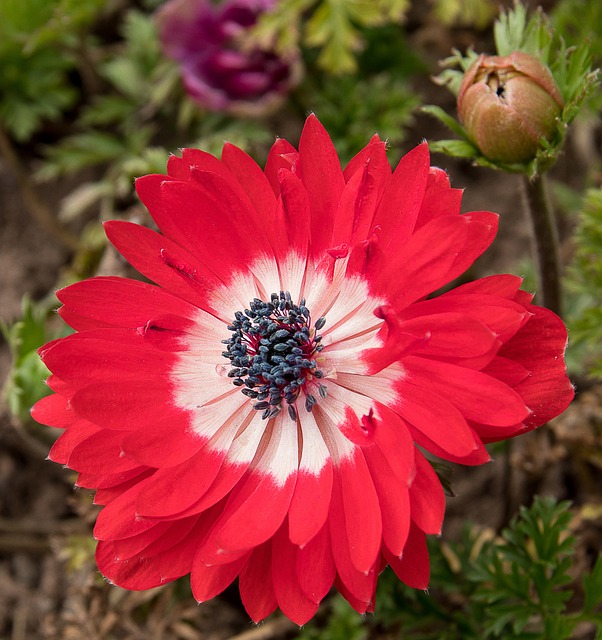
507	104
219	70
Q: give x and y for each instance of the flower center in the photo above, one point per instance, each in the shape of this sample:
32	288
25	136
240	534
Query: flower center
272	351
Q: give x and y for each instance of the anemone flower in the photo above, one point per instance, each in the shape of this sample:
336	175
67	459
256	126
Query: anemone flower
263	411
219	70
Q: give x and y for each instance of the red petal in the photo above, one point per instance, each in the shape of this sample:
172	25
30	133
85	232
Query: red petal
258	505
429	412
439	199
451	334
110	302
101	451
129	547
397	342
119	520
139	404
391	481
539	347
67	441
226	480
401	201
414	566
181	168
427	499
358	500
54	411
293	602
256	584
180	530
113	480
295	211
148	571
510	372
478	396
250	177
282	155
360	584
80	359
502	316
207	582
323	178
374	152
481	232
315	566
212	223
479	455
394	500
158	447
359	199
308	510
174	489
164	262
361	606
107	494
504	285
309	505
424	264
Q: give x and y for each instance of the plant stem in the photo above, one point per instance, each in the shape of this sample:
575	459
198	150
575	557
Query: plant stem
545	239
39	211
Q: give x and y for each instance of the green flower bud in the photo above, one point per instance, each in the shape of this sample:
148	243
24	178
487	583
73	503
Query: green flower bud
508	104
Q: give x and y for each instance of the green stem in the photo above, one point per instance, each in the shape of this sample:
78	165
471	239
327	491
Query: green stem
545	239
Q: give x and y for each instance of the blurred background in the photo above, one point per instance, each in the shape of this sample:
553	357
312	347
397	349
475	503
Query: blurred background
94	93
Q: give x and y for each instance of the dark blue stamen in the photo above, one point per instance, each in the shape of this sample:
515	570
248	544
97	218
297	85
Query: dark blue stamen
272	352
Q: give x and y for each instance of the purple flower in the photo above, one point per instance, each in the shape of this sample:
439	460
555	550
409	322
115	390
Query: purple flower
218	71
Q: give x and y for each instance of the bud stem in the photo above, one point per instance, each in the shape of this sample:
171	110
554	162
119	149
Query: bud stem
545	238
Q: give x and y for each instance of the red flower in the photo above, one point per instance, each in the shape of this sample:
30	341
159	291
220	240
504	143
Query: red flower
262	411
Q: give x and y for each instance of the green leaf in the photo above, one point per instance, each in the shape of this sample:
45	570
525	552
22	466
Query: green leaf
343	624
25	384
355	107
39	45
333	26
450	122
81	150
330	27
24	79
592	588
584	281
476	13
106	110
514	30
454	148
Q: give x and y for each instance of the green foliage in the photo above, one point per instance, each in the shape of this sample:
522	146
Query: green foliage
38	52
25	384
118	130
523	579
516	586
343	624
477	13
584	281
378	98
570	66
118	127
580	20
351	108
333	26
516	30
